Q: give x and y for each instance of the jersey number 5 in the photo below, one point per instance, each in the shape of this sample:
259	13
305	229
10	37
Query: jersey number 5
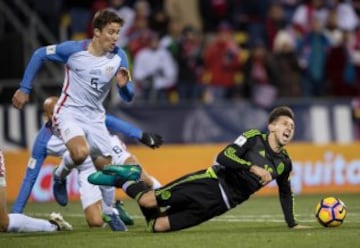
94	83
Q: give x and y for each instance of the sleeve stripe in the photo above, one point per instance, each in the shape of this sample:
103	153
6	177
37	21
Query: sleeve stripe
230	153
251	133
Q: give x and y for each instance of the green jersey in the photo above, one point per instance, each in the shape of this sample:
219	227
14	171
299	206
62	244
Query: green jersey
234	162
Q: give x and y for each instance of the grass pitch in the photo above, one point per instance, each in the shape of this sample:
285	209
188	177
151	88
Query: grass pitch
256	223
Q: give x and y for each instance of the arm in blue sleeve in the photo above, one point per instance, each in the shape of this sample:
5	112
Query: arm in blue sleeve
38	155
57	53
117	125
126	92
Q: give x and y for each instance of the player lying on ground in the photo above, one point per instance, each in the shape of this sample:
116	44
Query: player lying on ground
243	167
21	222
92	197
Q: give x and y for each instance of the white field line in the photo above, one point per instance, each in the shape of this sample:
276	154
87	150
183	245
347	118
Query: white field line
276	218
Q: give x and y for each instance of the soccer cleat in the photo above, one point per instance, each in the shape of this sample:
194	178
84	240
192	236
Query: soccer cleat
126	172
58	220
124	216
115	223
115	175
59	190
99	178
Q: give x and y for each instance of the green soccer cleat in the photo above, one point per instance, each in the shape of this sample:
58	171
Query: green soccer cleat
99	178
115	175
126	172
124	216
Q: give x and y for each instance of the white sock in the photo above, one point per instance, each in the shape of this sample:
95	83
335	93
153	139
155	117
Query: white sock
156	183
108	196
106	208
23	223
66	165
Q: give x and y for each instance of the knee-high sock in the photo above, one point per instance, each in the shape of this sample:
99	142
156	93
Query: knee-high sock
23	223
108	196
136	190
65	167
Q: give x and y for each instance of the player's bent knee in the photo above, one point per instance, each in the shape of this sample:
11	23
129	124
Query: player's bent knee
148	200
79	155
161	224
131	160
95	222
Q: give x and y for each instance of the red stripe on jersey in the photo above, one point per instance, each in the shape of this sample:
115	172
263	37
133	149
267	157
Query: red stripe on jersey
63	100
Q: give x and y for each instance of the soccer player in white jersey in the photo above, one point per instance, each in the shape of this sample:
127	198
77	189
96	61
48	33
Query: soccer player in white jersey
90	68
21	222
97	202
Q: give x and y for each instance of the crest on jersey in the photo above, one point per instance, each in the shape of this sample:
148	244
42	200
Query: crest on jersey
109	70
280	168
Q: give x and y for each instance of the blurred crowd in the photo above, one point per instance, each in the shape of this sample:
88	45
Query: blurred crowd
210	50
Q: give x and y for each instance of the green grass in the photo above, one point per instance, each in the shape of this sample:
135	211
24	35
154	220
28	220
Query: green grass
256	223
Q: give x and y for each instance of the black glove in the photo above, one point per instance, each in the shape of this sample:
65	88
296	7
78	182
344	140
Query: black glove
152	140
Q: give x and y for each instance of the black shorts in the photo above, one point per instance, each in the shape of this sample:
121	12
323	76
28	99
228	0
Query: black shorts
191	199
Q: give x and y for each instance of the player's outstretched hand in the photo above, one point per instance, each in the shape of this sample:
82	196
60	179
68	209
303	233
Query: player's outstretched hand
20	99
301	227
122	77
152	140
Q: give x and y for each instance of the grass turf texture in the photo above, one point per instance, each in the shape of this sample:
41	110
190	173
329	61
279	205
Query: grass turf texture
256	223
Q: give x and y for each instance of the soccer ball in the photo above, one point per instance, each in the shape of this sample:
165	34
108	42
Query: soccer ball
330	212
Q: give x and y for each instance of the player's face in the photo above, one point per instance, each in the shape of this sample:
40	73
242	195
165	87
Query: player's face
283	129
108	36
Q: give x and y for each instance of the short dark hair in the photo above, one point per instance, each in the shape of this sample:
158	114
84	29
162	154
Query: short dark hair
104	17
281	111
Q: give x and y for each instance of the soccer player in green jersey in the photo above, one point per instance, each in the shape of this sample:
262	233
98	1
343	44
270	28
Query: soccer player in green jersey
243	167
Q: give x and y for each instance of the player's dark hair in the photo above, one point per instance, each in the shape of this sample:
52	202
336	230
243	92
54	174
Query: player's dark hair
281	111
104	17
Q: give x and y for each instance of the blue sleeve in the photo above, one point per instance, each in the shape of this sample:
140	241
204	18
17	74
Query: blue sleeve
117	125
38	155
126	92
56	53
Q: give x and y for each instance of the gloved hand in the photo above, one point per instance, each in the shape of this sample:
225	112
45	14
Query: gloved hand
152	140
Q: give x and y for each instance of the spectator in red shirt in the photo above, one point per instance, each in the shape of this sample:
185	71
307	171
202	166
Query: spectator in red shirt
221	62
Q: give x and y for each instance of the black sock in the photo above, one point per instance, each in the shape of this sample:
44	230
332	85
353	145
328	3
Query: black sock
135	189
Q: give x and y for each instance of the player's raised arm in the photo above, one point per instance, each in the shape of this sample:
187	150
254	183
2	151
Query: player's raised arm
57	53
123	78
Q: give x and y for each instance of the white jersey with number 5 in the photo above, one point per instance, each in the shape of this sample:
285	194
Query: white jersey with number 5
79	110
87	77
